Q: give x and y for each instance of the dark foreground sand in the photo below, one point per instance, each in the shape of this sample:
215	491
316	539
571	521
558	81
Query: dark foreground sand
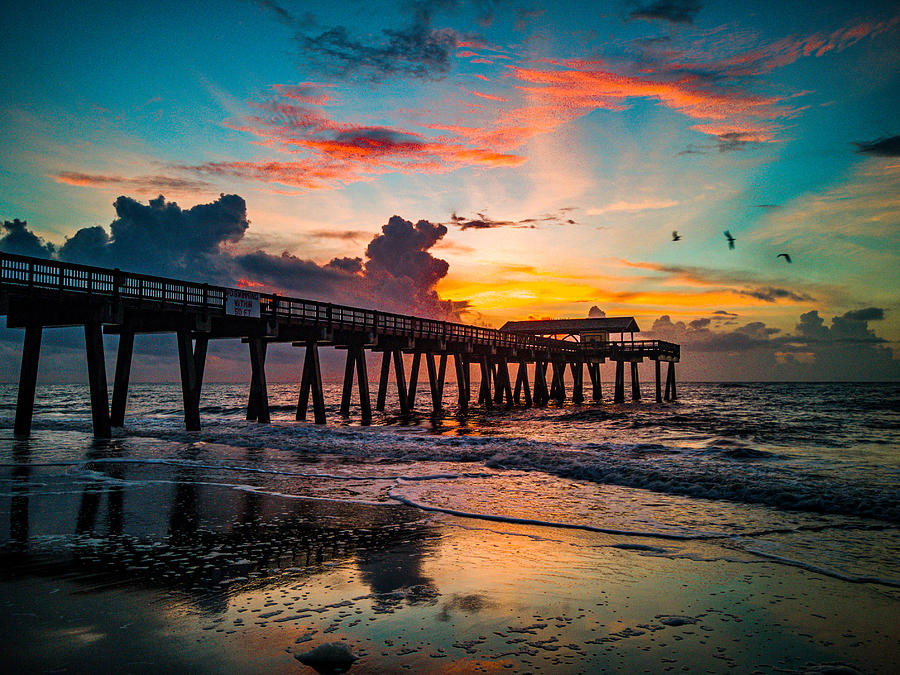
195	577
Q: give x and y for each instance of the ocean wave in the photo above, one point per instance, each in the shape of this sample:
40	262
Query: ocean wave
719	471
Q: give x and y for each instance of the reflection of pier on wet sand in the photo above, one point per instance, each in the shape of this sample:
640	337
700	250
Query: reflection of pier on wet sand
183	533
37	294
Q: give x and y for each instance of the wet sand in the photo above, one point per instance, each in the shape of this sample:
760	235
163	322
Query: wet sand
193	576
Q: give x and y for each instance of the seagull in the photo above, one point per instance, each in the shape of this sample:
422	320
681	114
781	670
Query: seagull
785	256
676	236
729	238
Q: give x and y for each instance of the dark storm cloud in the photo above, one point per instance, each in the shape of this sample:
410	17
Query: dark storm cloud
867	314
889	146
846	350
280	12
162	238
526	16
349	265
484	222
692	149
151	184
87	245
746	284
397	274
17	238
287	272
732	141
401	251
416	50
770	294
674	11
341	235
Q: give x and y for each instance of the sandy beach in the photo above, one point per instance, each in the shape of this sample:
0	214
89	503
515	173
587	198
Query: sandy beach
149	567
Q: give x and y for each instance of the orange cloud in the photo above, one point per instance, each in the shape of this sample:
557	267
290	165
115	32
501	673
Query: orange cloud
326	152
142	184
319	150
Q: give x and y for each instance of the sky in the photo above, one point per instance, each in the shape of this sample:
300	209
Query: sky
480	160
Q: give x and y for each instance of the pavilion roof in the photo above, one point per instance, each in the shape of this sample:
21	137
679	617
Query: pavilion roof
616	324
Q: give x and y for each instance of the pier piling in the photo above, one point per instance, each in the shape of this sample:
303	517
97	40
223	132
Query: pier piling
311	384
31	352
93	340
635	382
123	372
619	394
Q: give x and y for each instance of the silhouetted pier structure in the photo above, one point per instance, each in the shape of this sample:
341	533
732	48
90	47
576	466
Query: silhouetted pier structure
37	294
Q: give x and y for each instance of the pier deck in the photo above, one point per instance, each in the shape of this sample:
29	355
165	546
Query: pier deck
36	293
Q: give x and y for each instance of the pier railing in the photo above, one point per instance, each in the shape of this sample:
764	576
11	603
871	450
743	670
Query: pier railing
43	276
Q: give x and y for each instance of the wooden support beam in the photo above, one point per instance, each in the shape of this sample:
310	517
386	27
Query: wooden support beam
201	342
505	387
258	401
400	378
552	392
462	381
558	388
658	387
596	384
435	381
189	388
619	395
93	342
383	381
497	378
356	360
541	395
671	376
484	391
362	381
311	383
635	382
123	372
577	381
31	352
348	382
522	384
442	373
413	380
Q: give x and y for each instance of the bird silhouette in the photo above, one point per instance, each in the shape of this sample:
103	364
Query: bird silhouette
729	238
676	236
785	256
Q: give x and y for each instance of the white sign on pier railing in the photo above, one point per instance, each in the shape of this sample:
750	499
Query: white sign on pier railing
241	303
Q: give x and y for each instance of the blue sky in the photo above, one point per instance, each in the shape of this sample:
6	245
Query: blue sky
558	145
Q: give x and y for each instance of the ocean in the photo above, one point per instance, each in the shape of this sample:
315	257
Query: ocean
787	493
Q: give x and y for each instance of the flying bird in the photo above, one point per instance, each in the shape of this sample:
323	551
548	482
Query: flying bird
729	238
676	236
785	256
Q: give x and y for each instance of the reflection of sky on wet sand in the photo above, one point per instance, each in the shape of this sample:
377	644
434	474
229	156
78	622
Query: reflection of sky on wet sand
148	567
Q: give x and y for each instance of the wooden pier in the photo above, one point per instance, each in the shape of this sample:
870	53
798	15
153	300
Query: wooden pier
37	294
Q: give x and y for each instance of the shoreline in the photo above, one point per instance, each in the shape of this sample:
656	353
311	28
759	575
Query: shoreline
405	590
